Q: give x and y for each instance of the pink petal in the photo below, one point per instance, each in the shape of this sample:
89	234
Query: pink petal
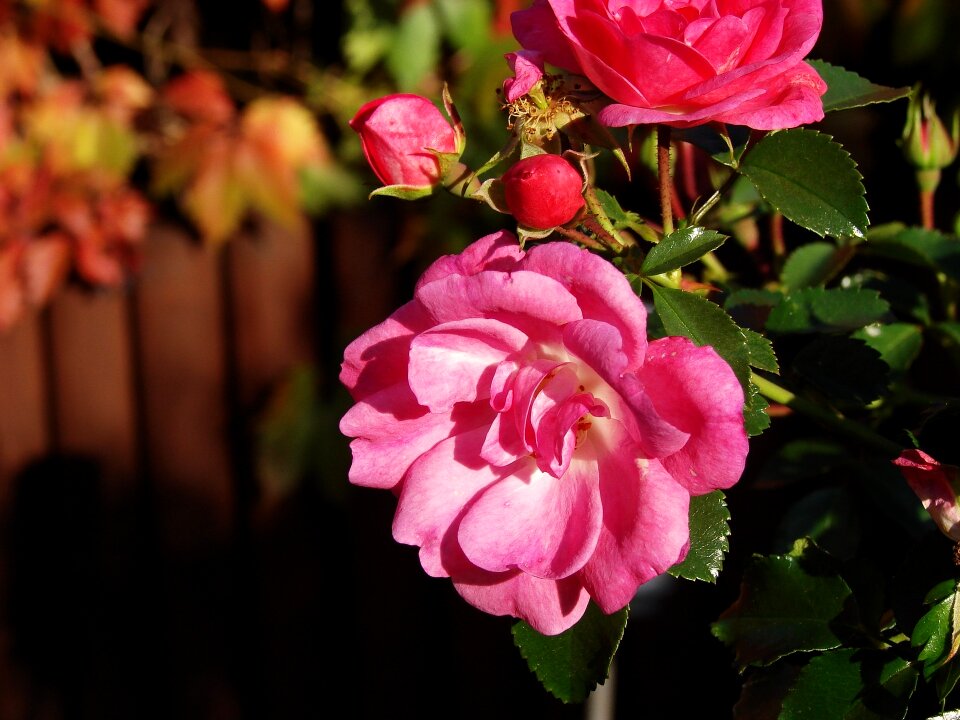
601	291
549	606
392	431
439	485
535	522
536	29
656	437
645	524
694	390
533	302
722	42
936	486
684	116
795	99
378	358
497	251
455	362
527	67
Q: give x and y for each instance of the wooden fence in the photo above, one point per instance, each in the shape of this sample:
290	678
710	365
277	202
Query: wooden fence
145	570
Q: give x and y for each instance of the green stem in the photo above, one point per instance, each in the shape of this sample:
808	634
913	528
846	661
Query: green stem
829	419
663	173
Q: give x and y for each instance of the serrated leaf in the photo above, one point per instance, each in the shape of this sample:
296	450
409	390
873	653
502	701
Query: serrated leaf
846	89
917	246
843	369
812	180
937	633
813	309
787	604
571	664
415	50
898	343
680	248
761	352
709	529
620	218
705	323
850	684
810	265
755	417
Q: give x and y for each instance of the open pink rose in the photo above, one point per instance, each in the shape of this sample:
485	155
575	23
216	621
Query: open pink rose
543	452
401	135
936	485
686	62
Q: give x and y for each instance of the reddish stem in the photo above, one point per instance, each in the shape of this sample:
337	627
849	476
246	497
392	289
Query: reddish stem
663	172
926	209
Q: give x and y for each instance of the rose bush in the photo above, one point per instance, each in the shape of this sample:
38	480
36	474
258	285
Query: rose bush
401	135
543	191
543	452
686	62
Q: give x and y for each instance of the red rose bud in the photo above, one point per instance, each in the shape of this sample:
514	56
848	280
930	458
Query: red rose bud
543	191
403	137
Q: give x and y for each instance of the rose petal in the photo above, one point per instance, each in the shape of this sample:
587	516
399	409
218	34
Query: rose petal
497	251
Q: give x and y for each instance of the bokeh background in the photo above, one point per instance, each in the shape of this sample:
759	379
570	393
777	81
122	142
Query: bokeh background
178	536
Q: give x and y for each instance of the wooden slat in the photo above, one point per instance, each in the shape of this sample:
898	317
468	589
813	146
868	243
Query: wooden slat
180	318
93	382
272	294
23	414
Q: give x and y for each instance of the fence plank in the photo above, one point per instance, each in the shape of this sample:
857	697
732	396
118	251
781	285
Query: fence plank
94	400
182	347
23	413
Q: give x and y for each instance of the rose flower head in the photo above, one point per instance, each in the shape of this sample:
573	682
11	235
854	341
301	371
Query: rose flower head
936	485
408	143
686	62
543	452
543	191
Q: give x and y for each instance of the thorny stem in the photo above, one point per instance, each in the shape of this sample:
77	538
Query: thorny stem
830	420
580	237
663	172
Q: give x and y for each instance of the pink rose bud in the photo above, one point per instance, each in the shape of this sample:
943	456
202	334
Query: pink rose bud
401	136
936	485
543	191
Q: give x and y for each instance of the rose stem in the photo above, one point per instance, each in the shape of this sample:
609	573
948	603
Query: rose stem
830	420
663	171
926	209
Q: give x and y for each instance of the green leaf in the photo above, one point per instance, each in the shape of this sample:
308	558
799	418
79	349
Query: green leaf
709	529
755	418
466	23
850	684
705	323
817	309
937	633
680	248
620	218
787	604
810	265
761	352
415	50
571	664
811	180
846	89
844	369
898	343
827	516
924	248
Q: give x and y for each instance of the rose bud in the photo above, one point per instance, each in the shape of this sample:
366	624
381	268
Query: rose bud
936	486
408	143
543	191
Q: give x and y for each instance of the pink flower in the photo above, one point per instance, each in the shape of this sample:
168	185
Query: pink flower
543	191
401	136
527	70
543	453
936	485
686	62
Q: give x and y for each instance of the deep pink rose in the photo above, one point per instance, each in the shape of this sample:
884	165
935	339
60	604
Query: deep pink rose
542	451
398	133
936	485
686	62
543	191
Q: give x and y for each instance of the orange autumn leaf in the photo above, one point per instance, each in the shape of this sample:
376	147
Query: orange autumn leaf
200	96
120	17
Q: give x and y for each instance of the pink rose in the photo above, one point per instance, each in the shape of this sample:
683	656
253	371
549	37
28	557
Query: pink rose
527	70
543	453
936	485
401	136
686	62
543	191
